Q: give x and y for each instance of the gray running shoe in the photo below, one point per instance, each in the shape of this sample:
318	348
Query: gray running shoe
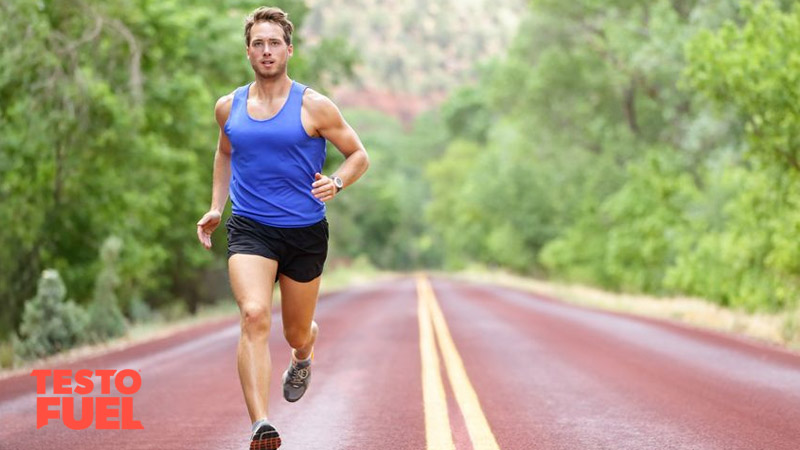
296	380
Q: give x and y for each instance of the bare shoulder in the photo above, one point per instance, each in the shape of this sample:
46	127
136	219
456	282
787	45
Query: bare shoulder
319	107
223	108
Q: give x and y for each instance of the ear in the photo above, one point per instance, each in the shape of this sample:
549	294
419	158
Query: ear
291	50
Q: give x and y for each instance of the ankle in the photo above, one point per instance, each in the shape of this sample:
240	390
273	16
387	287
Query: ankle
307	357
308	349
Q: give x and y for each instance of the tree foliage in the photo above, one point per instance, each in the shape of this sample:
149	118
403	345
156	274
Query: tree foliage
105	316
106	114
382	216
639	146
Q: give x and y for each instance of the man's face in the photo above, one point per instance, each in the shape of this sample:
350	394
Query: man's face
268	52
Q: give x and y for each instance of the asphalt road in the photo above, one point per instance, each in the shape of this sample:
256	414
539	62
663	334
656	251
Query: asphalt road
416	363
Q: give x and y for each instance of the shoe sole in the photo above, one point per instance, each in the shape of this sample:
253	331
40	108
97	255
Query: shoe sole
271	442
266	444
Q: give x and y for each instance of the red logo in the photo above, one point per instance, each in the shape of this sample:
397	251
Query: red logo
112	413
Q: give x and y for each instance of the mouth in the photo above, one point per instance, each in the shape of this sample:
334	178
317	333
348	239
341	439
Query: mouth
268	63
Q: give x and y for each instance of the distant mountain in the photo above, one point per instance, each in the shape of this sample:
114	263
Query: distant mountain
412	52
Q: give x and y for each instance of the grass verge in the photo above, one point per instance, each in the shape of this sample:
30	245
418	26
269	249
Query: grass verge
337	278
781	328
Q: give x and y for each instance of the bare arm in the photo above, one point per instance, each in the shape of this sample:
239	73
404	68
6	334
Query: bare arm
329	123
222	161
222	175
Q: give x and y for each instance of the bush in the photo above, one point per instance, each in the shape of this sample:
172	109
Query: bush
6	354
139	311
49	324
174	311
627	242
105	317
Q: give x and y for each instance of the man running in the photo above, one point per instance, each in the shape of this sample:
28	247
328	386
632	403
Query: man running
269	156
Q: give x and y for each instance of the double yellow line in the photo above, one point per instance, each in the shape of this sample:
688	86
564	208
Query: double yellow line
437	422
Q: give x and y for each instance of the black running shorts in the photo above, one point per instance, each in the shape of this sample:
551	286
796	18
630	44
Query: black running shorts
300	252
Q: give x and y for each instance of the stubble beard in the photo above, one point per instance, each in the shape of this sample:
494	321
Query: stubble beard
277	72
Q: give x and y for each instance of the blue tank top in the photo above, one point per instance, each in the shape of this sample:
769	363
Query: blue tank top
273	163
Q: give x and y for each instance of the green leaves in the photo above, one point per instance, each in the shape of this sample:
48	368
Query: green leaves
753	68
50	324
612	151
106	118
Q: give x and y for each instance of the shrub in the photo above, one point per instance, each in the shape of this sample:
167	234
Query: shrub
49	324
105	317
139	311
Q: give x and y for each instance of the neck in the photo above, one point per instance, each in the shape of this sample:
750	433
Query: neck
266	88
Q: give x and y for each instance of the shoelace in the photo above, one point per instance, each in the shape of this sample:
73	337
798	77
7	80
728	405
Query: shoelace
297	376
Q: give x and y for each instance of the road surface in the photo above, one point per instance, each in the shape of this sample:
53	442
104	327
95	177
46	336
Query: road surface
420	362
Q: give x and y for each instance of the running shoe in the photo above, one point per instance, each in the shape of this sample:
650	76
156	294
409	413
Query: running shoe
296	379
265	438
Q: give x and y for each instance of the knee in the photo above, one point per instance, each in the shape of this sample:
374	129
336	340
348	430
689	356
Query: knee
255	318
297	336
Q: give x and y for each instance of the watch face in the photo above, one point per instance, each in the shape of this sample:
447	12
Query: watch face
338	182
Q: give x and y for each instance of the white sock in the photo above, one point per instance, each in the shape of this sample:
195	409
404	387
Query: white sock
257	424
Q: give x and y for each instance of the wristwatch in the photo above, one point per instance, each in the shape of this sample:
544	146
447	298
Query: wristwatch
338	183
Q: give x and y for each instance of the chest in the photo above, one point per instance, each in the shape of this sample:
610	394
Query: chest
265	109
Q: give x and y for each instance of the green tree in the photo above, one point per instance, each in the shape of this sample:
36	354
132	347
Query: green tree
382	216
748	68
106	113
754	68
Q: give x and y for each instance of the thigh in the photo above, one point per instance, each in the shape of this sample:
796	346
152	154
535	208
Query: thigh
298	301
252	280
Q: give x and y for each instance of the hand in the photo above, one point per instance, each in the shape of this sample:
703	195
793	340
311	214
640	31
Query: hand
324	189
206	226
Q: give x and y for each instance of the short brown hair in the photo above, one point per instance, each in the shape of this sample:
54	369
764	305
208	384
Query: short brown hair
269	14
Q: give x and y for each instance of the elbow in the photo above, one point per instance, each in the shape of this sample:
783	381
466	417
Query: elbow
364	161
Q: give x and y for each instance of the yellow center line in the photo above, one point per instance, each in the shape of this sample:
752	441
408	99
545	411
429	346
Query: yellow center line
477	426
437	422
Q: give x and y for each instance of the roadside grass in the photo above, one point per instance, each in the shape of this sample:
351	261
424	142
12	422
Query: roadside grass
781	328
168	323
176	319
